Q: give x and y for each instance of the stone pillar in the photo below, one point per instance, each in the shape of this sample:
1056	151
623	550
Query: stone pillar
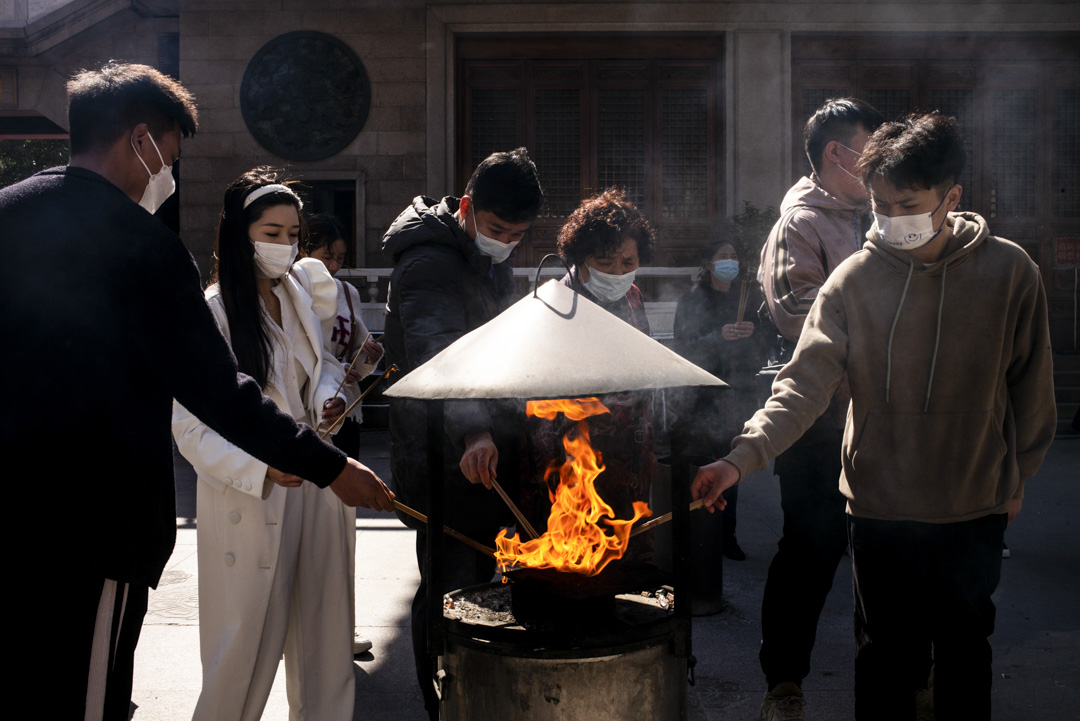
761	116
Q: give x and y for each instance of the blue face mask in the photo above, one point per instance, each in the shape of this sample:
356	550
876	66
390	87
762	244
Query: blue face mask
725	270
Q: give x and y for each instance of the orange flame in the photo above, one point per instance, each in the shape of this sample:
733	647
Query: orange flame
574	540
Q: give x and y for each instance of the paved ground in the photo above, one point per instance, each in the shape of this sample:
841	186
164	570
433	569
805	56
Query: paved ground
1036	646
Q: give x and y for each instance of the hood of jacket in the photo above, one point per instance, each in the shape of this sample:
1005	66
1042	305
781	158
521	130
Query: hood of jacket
968	232
427	221
808	192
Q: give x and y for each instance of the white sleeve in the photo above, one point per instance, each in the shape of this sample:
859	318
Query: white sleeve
217	461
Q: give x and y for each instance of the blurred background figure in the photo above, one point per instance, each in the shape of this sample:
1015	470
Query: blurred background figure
712	330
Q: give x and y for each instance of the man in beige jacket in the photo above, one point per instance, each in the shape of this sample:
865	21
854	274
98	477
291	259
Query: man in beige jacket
823	220
941	331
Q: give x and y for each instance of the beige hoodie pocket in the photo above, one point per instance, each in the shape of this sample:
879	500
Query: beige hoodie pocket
928	466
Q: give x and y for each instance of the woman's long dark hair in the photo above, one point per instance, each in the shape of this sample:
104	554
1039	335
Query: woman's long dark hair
234	268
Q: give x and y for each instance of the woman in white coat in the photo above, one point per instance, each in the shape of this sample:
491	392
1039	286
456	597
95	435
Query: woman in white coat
275	554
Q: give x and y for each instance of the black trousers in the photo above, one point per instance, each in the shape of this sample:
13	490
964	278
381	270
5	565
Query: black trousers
922	587
462	567
802	571
67	650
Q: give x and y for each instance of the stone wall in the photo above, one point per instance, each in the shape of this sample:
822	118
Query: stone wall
218	39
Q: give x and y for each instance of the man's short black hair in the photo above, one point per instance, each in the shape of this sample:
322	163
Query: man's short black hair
921	151
507	185
838	119
105	104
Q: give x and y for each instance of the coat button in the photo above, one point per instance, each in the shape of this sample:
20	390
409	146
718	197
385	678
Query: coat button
247	486
229	559
234	517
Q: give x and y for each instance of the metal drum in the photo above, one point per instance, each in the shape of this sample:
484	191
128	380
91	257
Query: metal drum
618	666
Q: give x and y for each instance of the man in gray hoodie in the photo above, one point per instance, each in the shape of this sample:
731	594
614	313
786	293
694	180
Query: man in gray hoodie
942	332
821	224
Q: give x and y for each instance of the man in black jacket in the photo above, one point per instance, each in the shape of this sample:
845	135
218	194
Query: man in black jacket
450	277
105	323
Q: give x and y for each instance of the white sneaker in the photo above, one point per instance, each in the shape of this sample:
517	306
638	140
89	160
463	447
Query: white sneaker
360	645
783	703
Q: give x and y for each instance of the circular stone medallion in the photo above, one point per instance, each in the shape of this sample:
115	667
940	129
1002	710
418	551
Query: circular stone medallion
305	95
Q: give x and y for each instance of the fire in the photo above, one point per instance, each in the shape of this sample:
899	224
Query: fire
575	541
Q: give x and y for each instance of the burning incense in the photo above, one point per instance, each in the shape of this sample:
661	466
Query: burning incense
526	526
583	535
391	369
448	531
744	295
349	369
660	520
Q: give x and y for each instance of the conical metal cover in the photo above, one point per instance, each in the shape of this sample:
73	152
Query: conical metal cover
556	344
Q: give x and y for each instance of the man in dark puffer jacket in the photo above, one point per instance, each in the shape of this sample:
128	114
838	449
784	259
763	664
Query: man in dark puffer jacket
450	277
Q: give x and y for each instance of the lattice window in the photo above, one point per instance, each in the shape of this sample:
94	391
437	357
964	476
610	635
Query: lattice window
558	149
1066	154
1014	154
621	142
494	123
960	104
684	153
893	103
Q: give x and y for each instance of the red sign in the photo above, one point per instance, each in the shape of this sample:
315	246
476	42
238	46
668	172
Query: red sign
1067	251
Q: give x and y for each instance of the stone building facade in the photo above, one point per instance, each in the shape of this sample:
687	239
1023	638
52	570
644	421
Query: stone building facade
699	103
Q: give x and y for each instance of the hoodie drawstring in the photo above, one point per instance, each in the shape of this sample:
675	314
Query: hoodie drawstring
937	337
937	334
888	349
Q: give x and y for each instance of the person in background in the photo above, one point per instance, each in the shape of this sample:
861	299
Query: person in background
822	221
604	241
942	332
451	275
275	554
120	300
712	331
346	337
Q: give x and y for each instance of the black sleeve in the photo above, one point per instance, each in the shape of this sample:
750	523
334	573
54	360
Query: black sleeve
203	377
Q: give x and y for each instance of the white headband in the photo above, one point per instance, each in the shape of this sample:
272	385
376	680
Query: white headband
267	190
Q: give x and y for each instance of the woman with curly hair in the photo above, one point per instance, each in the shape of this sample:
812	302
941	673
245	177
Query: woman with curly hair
275	553
605	240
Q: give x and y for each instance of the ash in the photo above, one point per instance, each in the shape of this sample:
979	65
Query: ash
483	606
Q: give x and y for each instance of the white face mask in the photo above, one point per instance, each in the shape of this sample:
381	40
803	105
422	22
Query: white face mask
272	260
161	184
908	232
497	251
607	287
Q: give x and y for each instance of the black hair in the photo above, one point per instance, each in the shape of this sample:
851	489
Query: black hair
600	225
323	229
234	268
105	104
921	151
507	185
838	119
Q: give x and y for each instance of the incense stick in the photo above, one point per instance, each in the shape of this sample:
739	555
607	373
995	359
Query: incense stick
660	520
448	531
391	369
349	369
744	295
525	525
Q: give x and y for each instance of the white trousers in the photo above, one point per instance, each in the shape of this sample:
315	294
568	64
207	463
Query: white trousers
275	576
